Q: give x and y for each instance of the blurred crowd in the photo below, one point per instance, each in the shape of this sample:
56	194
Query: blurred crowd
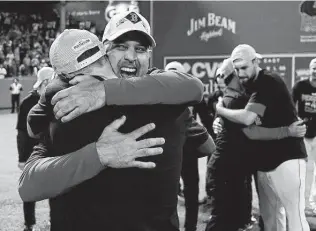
25	40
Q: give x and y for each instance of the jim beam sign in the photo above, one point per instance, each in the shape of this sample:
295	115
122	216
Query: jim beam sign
211	26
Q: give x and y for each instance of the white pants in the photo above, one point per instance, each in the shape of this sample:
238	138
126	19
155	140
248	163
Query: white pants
281	197
310	190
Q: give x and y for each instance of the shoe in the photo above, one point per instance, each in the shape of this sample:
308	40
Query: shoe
28	228
253	220
203	201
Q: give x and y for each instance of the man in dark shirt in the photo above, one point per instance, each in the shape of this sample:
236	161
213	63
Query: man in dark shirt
190	170
230	166
277	160
24	142
304	96
152	194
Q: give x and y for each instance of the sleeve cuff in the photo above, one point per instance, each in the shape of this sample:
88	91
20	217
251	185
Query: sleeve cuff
91	155
112	91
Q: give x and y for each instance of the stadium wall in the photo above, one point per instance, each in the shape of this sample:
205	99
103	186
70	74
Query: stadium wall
200	34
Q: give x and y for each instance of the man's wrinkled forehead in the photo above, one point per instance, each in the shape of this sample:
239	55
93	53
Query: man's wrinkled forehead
239	63
135	36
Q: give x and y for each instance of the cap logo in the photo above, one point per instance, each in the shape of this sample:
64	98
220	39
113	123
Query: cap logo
81	44
134	18
121	22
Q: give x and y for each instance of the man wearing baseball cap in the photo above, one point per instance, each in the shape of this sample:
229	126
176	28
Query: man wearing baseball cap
146	206
230	167
281	163
44	74
25	143
304	96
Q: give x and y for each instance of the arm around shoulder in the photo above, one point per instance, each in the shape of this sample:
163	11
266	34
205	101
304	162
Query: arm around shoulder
165	87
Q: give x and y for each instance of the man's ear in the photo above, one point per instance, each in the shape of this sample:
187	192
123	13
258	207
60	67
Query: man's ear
256	61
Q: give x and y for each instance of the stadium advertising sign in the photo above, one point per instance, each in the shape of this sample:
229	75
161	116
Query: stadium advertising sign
210	26
203	68
291	68
281	64
308	22
97	13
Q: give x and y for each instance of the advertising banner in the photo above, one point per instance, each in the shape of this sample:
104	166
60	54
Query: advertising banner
207	28
281	64
96	14
203	68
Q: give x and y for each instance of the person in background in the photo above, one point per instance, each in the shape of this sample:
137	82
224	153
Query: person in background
304	96
25	143
3	71
15	89
190	171
280	201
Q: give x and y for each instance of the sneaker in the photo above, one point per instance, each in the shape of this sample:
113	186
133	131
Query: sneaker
253	219
28	228
203	201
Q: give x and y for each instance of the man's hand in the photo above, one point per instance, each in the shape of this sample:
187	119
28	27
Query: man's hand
117	150
21	165
217	125
297	129
84	97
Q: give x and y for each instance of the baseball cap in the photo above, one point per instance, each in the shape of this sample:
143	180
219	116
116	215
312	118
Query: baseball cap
175	66
75	49
244	52
125	22
43	74
313	62
225	69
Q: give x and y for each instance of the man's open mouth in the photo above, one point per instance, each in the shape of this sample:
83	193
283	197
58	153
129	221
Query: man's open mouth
127	72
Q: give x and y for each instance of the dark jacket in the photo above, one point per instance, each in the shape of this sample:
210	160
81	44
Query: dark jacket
25	143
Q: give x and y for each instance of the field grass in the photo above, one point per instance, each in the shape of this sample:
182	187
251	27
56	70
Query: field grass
11	214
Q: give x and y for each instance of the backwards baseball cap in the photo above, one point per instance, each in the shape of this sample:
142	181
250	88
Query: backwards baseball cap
225	69
175	66
45	73
75	49
125	22
313	62
244	52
